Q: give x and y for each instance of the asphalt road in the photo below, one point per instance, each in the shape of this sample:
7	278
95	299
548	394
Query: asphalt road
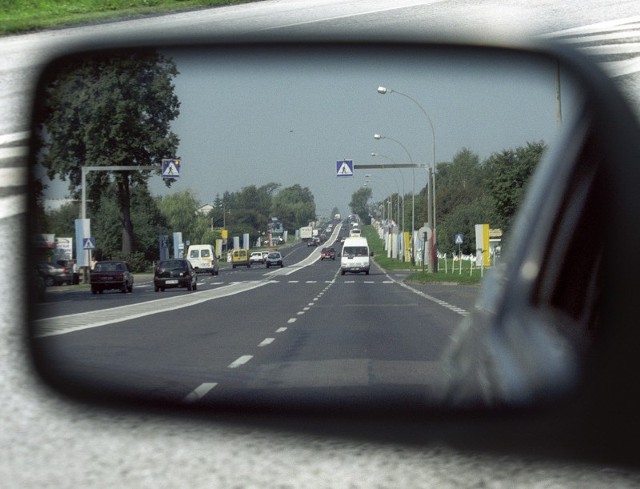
302	328
48	441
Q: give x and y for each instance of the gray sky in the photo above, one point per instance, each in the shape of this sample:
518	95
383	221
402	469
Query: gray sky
253	118
260	118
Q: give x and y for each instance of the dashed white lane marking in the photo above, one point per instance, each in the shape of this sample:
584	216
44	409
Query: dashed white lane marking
266	341
292	320
240	361
281	330
199	392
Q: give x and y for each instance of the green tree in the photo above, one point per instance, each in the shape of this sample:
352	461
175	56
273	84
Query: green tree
359	202
252	209
506	176
61	221
180	211
294	206
110	110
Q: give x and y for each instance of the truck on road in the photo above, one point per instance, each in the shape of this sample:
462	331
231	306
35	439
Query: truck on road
306	232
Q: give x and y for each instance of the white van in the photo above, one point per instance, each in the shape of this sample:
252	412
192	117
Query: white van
355	256
203	258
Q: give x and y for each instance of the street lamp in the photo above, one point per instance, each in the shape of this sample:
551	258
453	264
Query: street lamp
368	181
413	191
431	177
374	155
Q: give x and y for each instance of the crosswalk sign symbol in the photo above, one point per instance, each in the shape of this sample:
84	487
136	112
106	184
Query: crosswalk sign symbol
170	168
344	168
88	243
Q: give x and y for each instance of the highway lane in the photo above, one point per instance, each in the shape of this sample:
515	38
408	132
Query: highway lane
300	332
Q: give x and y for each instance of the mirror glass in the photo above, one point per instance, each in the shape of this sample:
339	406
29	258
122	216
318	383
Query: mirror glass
346	202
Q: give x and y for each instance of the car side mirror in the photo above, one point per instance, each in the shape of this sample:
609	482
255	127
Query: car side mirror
551	338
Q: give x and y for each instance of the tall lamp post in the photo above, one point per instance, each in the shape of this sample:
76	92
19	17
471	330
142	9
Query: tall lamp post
431	176
367	181
397	186
413	191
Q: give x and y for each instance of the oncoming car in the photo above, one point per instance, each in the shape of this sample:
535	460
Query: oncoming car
274	258
175	273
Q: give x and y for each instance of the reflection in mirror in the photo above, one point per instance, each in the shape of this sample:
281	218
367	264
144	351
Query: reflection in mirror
418	157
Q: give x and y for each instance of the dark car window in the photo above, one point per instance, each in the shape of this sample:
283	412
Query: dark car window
172	264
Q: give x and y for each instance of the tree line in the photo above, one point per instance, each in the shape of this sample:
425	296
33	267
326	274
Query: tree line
468	192
115	109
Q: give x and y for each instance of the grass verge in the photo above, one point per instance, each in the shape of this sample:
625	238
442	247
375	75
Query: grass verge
469	276
24	16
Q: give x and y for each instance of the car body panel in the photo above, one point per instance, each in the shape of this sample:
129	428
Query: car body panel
174	273
108	275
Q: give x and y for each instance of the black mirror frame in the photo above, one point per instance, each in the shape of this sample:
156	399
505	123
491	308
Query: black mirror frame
598	423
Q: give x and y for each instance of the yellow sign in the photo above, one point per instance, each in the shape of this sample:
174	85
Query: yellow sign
225	234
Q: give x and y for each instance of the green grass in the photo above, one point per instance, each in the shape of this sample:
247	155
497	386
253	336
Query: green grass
18	16
468	276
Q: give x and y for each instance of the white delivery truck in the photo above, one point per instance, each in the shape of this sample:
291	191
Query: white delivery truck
203	258
306	232
355	256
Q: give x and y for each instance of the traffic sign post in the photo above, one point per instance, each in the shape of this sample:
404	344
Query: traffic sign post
171	168
459	241
344	168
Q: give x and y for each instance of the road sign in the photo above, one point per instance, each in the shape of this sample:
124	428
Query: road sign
459	239
170	168
88	243
425	232
344	168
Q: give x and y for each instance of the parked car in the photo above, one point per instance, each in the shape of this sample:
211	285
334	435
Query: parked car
54	274
328	254
108	275
274	258
175	273
71	264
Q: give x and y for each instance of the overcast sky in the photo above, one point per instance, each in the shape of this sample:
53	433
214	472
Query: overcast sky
255	118
249	118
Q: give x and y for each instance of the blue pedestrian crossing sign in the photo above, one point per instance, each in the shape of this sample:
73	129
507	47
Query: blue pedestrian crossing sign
88	243
459	239
170	168
344	168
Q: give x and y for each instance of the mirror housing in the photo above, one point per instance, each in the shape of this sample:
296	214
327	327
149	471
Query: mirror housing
598	420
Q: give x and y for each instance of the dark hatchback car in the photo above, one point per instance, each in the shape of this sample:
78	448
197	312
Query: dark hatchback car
175	273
